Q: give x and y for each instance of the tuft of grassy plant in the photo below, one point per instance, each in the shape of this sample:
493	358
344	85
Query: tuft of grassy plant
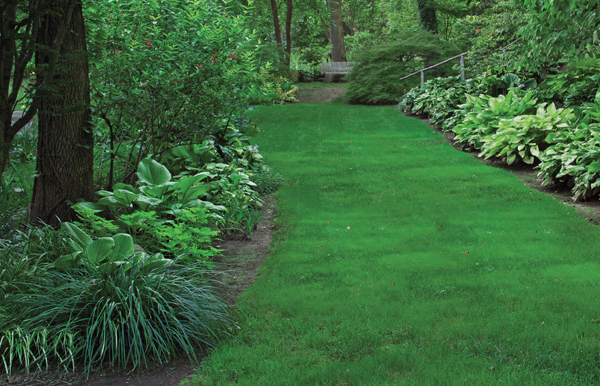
408	262
125	319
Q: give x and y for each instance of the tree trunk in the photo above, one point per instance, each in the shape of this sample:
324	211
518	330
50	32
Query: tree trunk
336	31
65	145
276	24
428	16
288	33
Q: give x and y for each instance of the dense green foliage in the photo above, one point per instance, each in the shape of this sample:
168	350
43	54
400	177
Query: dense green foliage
128	284
375	79
406	261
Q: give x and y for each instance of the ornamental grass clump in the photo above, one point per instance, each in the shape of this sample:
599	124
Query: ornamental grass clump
126	317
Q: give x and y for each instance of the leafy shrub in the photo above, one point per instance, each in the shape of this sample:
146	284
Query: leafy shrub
193	66
485	112
522	137
439	98
574	155
273	90
374	80
579	83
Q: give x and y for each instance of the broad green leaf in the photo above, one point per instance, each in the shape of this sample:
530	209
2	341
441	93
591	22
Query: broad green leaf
112	201
511	158
594	167
124	247
67	261
127	187
89	206
99	249
126	196
77	233
153	173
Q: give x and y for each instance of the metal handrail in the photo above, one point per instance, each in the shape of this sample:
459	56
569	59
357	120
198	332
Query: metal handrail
462	64
422	72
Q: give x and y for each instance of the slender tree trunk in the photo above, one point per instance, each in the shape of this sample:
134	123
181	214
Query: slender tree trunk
288	33
65	145
276	24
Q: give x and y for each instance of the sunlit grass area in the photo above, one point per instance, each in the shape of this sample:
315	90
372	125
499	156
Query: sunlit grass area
402	261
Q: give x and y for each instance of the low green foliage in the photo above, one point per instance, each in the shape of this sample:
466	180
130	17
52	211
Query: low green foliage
443	99
162	214
273	90
130	317
522	137
575	86
485	112
439	98
574	155
267	181
106	254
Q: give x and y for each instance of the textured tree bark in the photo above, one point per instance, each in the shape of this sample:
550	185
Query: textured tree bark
65	145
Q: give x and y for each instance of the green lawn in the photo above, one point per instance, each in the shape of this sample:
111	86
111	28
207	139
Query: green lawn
402	261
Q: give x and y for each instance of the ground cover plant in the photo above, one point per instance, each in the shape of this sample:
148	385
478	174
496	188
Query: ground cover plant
405	261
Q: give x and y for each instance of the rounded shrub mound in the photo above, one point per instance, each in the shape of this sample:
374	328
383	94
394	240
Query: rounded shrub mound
375	80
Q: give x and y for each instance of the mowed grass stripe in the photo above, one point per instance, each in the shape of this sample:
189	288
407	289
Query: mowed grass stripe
405	261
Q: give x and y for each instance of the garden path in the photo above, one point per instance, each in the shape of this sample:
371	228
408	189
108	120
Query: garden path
406	261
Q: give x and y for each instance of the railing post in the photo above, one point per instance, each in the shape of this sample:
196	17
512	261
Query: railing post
462	67
422	76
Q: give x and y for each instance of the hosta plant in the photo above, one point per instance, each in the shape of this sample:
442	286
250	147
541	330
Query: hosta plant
574	155
522	137
485	112
107	254
573	160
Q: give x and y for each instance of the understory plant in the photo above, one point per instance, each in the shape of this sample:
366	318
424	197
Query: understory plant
485	112
374	80
522	138
135	311
573	157
161	214
439	98
446	100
